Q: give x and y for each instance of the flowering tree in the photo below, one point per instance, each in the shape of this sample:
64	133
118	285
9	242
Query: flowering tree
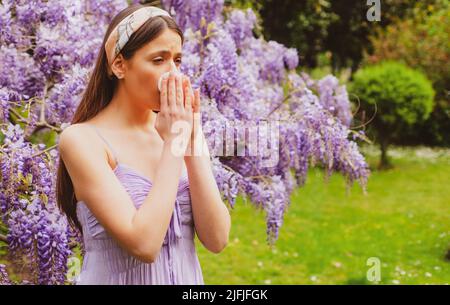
46	53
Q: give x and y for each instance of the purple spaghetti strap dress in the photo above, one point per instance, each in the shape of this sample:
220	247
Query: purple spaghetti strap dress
106	263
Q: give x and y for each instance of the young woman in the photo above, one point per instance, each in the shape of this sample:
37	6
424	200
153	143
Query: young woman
122	180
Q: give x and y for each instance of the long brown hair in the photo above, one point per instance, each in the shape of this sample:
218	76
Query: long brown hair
99	92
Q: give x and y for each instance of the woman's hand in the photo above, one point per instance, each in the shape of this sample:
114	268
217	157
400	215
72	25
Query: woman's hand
175	120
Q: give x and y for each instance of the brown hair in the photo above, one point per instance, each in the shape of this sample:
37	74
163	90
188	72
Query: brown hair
99	92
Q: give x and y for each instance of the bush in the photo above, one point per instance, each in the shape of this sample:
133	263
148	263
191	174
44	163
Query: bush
402	97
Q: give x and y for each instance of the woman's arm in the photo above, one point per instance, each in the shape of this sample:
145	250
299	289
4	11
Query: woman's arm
211	216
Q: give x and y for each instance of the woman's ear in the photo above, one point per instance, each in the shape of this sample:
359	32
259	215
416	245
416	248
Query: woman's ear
118	66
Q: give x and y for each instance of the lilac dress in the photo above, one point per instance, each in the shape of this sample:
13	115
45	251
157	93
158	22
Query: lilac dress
105	262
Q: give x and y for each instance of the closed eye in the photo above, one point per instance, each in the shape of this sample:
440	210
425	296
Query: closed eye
159	60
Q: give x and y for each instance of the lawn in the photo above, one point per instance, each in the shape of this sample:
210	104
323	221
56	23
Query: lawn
328	236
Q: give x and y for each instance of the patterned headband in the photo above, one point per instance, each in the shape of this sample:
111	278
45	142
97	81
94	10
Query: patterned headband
122	32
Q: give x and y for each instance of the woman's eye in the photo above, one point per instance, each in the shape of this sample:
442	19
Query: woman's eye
159	60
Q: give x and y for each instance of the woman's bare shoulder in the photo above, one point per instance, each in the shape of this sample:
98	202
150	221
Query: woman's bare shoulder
78	133
80	141
78	137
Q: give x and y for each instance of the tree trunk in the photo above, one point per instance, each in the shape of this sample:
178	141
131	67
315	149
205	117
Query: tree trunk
384	160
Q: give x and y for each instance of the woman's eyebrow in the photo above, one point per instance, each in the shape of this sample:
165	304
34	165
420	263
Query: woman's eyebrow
163	52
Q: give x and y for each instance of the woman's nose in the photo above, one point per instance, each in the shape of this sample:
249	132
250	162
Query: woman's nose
173	66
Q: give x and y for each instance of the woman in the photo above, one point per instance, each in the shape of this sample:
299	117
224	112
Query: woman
121	178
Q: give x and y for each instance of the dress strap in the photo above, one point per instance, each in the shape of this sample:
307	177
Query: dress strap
107	143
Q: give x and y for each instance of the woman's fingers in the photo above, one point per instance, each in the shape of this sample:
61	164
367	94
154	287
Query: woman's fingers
172	91
188	94
179	94
197	100
163	96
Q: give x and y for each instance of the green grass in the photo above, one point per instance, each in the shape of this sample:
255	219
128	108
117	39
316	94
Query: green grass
327	235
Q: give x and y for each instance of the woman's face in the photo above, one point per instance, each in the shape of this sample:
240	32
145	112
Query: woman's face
144	68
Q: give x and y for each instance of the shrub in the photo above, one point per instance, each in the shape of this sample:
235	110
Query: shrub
401	96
